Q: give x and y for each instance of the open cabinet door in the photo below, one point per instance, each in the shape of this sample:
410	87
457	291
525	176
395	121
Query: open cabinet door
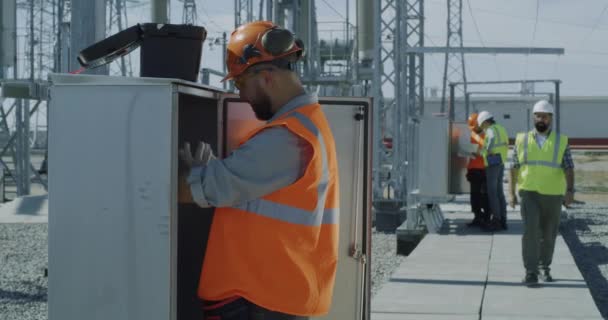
110	200
350	121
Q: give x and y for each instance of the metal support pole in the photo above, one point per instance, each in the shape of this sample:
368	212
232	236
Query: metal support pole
467	102
398	105
19	147
452	104
378	102
87	27
557	108
269	10
160	11
25	151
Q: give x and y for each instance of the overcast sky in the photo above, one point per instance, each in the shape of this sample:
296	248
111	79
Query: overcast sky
579	26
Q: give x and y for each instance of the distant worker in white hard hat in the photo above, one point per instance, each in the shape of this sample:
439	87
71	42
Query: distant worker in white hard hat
543	171
494	152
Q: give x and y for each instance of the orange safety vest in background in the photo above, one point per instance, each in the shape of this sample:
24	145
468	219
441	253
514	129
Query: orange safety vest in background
477	162
281	251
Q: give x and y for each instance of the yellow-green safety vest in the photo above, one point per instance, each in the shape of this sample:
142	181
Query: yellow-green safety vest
499	145
541	168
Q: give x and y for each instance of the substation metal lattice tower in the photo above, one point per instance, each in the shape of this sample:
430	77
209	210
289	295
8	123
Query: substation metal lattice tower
189	12
454	66
117	21
243	12
399	25
38	19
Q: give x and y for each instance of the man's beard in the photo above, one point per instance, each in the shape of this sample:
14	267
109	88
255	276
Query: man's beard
541	127
262	108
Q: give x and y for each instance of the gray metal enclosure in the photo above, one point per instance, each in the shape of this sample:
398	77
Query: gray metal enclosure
120	245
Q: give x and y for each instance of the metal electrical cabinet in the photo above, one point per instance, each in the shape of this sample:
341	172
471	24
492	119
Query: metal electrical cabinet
120	245
445	150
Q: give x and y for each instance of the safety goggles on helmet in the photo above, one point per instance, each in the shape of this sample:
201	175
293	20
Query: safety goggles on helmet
275	41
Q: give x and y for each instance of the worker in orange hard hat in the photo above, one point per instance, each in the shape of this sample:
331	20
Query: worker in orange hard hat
273	246
476	176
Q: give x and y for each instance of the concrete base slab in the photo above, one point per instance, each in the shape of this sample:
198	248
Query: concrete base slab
463	273
27	209
400	316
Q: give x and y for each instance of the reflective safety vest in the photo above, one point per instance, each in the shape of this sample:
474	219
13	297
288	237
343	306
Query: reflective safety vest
477	162
541	168
499	145
281	251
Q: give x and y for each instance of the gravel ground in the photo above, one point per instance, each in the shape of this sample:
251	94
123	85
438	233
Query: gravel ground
585	229
23	258
384	258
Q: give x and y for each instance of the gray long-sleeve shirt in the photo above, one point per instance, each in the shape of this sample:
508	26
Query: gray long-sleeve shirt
274	158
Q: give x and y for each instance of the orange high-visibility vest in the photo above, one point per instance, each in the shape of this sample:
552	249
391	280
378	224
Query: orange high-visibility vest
477	162
280	251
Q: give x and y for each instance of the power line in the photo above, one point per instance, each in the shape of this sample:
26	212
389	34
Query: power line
597	22
334	9
480	37
209	19
533	38
546	21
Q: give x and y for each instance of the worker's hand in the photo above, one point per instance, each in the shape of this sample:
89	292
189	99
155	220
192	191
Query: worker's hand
184	194
568	199
200	158
513	200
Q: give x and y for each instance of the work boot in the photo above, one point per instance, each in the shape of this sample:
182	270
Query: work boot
531	280
546	276
492	225
474	223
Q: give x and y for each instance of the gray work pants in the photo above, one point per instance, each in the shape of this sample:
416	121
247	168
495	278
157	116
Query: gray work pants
540	215
496	194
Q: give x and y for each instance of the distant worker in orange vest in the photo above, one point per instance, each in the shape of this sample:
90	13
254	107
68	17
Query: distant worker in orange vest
476	175
273	246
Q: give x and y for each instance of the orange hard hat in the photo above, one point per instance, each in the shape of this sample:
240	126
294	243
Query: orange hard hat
472	121
258	41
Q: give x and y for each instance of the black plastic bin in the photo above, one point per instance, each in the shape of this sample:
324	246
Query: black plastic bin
167	50
171	51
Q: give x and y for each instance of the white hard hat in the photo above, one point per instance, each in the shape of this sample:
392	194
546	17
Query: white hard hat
483	116
543	106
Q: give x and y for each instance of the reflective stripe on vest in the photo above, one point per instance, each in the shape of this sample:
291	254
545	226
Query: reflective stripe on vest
280	251
498	145
552	164
497	141
286	213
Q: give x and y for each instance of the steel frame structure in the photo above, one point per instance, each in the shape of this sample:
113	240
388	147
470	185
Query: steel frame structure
400	24
454	67
555	96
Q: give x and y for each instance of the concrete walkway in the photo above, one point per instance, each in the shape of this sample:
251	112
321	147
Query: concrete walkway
465	274
26	209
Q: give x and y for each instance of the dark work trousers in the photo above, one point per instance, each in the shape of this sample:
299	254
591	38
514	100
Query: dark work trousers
241	309
540	214
479	195
496	194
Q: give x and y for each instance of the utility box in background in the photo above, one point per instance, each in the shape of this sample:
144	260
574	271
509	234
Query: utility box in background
120	245
445	149
460	155
433	158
